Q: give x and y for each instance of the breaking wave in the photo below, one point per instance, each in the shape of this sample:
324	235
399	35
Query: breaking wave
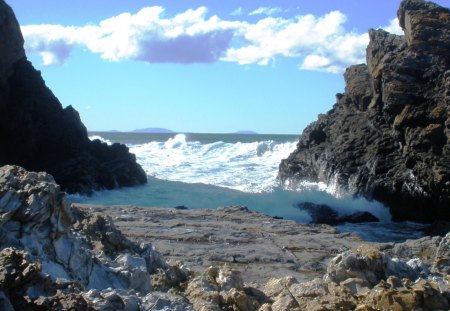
249	167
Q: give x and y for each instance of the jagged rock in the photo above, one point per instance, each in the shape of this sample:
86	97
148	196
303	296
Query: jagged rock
424	249
52	254
441	262
365	280
421	296
320	295
36	132
388	136
221	289
371	265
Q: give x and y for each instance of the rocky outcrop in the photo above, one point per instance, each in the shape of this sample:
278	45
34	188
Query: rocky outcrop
388	136
364	279
53	256
56	257
36	132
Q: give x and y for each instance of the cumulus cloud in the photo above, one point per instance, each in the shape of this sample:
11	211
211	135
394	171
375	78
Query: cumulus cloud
269	11
317	42
394	27
321	42
188	37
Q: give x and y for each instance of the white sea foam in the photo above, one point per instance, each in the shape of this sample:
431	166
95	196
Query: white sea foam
249	167
103	140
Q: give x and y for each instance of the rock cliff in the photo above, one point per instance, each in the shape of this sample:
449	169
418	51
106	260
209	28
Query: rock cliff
388	136
36	132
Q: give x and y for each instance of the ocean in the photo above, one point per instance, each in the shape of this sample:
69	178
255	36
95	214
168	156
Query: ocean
214	170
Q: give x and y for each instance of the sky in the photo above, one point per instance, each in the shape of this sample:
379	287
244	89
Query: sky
200	66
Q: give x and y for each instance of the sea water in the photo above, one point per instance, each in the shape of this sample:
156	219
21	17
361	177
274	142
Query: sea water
215	170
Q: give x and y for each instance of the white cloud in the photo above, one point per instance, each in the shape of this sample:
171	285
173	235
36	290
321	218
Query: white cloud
394	27
317	42
321	42
188	37
269	11
238	12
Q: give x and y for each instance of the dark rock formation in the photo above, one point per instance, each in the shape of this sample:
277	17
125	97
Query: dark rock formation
36	132
388	136
324	214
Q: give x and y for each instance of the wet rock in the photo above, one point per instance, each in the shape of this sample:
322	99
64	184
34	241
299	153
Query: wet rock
324	214
52	138
388	137
320	213
358	217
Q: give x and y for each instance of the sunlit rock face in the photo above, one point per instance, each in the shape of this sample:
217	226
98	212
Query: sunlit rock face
49	247
36	132
388	135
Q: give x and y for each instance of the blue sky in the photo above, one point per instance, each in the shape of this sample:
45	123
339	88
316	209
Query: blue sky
199	66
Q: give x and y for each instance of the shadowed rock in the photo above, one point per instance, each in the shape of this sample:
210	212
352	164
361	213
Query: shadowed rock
388	136
37	133
324	214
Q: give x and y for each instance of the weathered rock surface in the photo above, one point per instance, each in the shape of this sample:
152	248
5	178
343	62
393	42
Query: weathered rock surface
260	246
388	136
364	279
53	255
36	132
56	257
279	265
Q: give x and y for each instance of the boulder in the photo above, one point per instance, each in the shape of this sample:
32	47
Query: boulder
222	289
324	214
52	255
365	279
37	133
388	135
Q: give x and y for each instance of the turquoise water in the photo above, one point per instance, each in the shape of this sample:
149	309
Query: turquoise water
215	170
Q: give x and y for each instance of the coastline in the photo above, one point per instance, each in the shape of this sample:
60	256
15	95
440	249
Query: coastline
260	246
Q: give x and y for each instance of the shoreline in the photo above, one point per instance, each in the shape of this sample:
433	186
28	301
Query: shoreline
260	246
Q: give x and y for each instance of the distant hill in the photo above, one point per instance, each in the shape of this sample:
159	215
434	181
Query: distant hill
245	132
153	130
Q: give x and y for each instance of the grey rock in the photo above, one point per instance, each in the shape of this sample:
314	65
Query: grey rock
47	246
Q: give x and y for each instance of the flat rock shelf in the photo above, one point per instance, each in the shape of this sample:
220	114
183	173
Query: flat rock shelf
260	246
